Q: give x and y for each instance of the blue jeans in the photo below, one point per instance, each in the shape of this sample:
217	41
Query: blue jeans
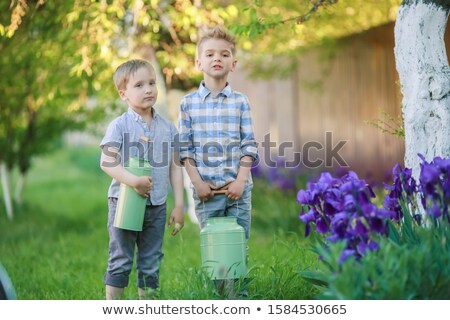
221	206
148	245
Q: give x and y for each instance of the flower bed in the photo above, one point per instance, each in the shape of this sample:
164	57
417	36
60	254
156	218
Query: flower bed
362	241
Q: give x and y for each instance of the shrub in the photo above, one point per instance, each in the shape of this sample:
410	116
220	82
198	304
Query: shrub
412	268
413	249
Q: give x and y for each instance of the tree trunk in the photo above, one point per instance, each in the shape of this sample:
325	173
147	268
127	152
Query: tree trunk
4	173
18	192
424	73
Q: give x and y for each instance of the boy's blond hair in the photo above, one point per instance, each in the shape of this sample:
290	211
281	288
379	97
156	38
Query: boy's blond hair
218	32
125	70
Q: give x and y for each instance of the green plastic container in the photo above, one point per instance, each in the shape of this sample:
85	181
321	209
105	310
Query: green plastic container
130	209
223	248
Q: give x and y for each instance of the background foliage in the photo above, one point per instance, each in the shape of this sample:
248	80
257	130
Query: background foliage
59	57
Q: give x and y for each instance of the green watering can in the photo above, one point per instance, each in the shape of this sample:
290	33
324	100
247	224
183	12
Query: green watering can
223	248
130	209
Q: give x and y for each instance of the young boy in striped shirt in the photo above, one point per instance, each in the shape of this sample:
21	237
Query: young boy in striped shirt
217	143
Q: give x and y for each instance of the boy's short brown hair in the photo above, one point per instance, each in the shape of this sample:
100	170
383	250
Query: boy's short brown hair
125	70
218	32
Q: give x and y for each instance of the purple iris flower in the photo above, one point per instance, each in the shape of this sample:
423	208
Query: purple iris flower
446	188
429	177
322	225
340	228
378	225
285	183
390	201
360	229
339	217
304	196
257	171
350	203
345	255
402	189
309	216
434	211
342	208
444	166
386	214
278	175
369	246
435	187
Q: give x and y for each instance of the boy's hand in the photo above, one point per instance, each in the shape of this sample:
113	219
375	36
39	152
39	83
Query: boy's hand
143	186
204	190
177	220
235	189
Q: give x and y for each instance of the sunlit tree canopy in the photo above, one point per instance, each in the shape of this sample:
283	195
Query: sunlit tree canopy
171	28
285	25
285	28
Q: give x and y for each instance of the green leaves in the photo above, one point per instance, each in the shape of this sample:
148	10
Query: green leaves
388	124
280	27
317	278
411	264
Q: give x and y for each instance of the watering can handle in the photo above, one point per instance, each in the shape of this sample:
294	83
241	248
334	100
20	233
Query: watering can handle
219	192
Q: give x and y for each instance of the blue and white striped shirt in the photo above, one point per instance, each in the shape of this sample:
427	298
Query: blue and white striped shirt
216	132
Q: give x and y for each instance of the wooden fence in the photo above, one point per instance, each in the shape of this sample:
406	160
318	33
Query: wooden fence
339	94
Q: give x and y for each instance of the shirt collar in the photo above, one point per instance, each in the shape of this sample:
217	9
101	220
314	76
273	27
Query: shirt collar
204	92
137	117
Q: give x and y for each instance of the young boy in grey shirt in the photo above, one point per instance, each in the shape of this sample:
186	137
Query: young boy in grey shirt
140	132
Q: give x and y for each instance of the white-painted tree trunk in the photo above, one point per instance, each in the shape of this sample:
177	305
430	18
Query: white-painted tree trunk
4	174
424	73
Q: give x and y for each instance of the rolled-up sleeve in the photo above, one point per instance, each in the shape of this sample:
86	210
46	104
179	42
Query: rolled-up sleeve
249	146
113	136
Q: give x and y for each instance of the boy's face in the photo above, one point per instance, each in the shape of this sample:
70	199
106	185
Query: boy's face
216	58
141	92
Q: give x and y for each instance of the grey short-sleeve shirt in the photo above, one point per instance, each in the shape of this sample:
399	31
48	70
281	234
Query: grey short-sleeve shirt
134	138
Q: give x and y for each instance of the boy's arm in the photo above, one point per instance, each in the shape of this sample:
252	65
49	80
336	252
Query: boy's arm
249	153
244	168
236	188
204	190
249	146
192	171
187	153
176	180
110	164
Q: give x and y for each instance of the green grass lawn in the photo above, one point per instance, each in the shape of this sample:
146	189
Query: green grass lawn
57	245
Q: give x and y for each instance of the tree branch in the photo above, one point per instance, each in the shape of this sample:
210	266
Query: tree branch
257	25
